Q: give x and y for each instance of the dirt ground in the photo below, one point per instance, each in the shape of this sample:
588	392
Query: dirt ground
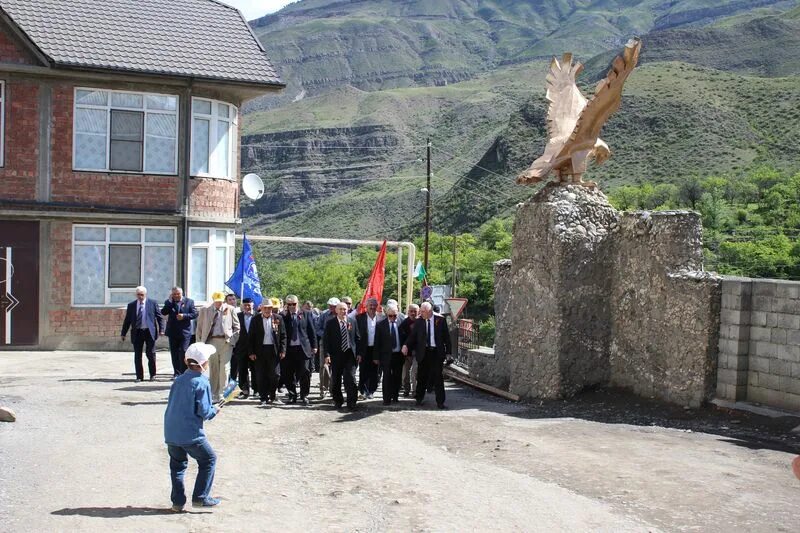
87	454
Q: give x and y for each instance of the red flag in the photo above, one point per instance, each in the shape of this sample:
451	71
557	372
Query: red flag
375	283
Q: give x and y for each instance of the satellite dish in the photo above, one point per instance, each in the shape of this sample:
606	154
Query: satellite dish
252	186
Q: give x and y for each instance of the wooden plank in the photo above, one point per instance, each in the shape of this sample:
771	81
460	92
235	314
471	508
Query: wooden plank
481	386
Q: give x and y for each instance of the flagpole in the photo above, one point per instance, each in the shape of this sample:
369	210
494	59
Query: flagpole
241	292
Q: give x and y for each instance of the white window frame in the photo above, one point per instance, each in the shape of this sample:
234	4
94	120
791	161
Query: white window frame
211	274
2	123
108	107
233	129
107	243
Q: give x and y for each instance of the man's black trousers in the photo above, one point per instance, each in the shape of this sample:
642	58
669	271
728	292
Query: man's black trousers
429	370
344	367
142	339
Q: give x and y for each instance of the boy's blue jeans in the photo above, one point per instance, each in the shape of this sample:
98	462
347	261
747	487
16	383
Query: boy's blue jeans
201	452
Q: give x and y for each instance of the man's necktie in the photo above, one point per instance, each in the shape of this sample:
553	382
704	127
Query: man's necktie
345	343
427	333
213	326
294	328
140	317
395	344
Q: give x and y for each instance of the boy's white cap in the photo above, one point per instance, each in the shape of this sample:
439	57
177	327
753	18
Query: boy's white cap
333	301
200	352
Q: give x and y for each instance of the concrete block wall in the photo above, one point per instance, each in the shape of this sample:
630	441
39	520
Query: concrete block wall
759	342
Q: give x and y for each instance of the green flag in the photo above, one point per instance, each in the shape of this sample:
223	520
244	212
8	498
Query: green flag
419	271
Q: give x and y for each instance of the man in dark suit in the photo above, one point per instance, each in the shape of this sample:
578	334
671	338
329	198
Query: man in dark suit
341	339
241	351
143	318
410	365
179	312
301	347
267	337
373	346
430	341
393	361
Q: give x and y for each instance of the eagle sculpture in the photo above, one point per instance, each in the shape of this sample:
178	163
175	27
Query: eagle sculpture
574	123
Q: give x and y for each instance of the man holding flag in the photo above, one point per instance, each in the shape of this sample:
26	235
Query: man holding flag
244	282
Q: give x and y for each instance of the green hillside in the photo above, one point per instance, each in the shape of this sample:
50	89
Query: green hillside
676	120
717	92
383	44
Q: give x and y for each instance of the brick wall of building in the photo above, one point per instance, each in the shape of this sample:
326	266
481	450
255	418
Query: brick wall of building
759	346
21	144
11	52
214	198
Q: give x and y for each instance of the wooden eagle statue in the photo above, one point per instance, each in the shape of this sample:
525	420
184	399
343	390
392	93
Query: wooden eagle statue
574	123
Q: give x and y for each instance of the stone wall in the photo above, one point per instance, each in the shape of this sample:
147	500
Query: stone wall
759	342
596	297
664	308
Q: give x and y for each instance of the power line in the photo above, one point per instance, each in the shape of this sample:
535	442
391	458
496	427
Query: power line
334	179
473	164
354	167
260	145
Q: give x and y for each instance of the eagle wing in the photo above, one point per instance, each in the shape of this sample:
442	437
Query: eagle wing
566	105
606	99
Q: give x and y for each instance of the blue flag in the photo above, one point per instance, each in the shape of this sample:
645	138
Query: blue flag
244	282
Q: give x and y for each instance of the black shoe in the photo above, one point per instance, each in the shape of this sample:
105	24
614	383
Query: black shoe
406	394
138	380
292	399
152	378
441	406
351	407
338	405
419	402
387	402
395	400
305	402
242	396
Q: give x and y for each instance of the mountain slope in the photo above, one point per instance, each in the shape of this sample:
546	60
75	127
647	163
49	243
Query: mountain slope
384	44
717	95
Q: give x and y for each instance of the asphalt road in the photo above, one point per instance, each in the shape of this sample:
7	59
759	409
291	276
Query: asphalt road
87	454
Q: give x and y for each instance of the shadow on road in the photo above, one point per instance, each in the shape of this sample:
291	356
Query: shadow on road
154	402
613	406
98	380
113	512
144	388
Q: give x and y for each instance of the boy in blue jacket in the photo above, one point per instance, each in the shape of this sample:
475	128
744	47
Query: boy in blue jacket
189	405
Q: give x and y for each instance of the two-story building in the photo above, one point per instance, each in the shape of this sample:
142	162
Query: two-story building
119	158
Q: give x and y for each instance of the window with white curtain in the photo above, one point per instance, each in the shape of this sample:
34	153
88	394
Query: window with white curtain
213	138
125	132
109	262
211	261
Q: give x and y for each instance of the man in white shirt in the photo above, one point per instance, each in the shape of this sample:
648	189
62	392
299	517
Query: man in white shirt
267	349
373	346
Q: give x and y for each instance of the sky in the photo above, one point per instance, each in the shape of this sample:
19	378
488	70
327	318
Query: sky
253	9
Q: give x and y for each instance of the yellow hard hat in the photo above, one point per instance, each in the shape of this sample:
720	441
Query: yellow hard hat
275	302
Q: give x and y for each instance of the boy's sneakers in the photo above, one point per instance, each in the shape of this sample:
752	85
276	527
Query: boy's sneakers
208	502
176	508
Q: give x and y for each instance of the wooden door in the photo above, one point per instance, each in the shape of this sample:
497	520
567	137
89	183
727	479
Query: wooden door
19	283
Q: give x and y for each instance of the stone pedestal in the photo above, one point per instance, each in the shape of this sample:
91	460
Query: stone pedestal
593	297
557	303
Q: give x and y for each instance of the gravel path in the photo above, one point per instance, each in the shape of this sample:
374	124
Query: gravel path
86	454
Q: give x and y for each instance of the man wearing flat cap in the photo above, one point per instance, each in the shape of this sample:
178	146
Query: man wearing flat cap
218	326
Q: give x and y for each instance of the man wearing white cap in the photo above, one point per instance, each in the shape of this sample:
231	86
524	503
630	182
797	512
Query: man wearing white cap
188	406
218	326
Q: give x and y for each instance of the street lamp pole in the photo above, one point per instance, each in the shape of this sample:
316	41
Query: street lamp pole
428	208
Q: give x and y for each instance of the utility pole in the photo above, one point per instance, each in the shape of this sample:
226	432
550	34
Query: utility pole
428	207
454	267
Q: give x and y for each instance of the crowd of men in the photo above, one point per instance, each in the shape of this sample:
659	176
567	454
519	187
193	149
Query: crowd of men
276	347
